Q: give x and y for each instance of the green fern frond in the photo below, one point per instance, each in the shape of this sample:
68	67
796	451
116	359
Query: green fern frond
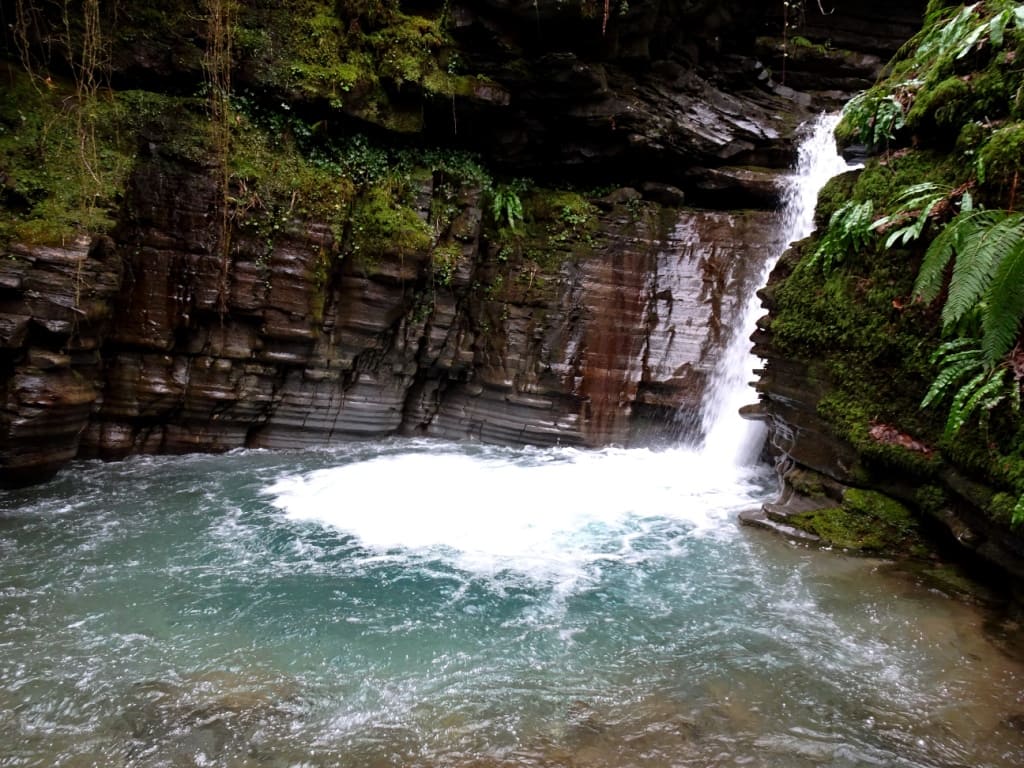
876	118
912	231
985	387
954	347
959	358
910	196
985	398
931	275
965	31
958	413
1004	310
506	206
977	260
1018	512
942	40
971	39
997	27
975	386
849	228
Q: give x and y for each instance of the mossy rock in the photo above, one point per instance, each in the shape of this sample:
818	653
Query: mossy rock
972	135
66	153
382	223
837	191
866	521
939	111
367	59
884	180
1002	156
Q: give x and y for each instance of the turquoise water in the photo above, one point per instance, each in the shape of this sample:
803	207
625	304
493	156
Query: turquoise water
431	604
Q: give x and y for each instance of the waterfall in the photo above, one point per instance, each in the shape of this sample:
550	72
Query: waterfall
728	436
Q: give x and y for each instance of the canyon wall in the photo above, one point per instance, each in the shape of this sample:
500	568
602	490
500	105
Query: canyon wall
225	302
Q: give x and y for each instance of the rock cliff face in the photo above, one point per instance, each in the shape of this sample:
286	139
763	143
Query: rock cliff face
293	354
875	380
823	463
173	334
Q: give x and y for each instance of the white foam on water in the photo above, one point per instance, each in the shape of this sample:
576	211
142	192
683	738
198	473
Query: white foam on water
553	519
560	513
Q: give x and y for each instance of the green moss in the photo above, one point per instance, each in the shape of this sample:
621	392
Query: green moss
1001	507
368	59
866	521
805	482
444	262
66	156
883	180
991	94
1001	157
271	174
864	341
941	107
938	6
566	217
837	191
382	223
972	135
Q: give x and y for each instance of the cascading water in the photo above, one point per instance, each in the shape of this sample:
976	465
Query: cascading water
420	603
726	435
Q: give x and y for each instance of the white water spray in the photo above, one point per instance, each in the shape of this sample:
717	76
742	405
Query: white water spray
728	437
561	516
554	515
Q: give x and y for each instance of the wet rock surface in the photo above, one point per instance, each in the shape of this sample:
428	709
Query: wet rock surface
55	308
170	337
622	330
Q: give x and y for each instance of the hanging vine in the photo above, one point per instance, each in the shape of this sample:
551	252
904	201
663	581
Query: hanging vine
794	17
217	61
88	59
792	20
88	56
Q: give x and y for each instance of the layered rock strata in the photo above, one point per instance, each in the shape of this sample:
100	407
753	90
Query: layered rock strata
177	335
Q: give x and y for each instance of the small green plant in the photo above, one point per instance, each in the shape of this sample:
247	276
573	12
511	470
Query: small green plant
967	30
975	385
987	248
506	205
445	263
875	118
919	204
849	228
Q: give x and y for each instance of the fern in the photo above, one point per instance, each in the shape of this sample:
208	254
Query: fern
1005	305
958	358
942	39
987	250
506	206
976	265
989	391
921	198
945	246
876	118
849	228
976	386
966	31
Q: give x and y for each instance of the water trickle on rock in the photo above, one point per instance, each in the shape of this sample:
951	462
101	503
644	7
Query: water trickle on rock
727	435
